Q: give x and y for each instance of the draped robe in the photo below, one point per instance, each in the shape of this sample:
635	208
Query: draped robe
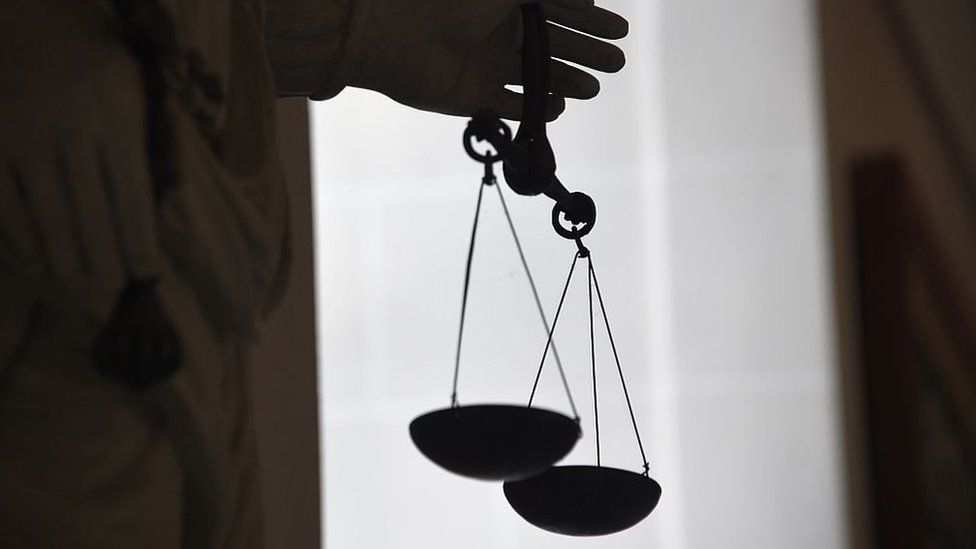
85	462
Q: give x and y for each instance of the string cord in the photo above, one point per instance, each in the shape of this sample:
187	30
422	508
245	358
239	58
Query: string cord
464	295
555	319
538	302
616	358
596	406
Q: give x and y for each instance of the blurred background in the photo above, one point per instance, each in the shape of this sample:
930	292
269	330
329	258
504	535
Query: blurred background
786	242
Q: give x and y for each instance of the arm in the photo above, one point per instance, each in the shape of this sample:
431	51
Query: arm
446	56
306	41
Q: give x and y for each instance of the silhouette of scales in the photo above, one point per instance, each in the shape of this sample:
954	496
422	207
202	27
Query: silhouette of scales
517	444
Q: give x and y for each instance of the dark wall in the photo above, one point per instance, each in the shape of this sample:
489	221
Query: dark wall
899	82
285	384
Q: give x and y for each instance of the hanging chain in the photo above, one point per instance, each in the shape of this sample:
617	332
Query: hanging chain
538	302
485	126
555	319
616	358
488	179
596	406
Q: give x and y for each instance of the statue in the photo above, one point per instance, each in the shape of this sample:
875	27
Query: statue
143	230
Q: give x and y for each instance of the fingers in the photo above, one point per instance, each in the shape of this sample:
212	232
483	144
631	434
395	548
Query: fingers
584	50
593	21
568	4
566	81
508	105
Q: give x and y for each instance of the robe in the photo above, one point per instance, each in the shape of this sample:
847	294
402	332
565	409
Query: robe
84	461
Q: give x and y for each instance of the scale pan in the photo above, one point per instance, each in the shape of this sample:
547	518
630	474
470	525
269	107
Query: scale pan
494	441
582	500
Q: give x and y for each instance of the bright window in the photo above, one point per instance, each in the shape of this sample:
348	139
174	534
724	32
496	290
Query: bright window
706	162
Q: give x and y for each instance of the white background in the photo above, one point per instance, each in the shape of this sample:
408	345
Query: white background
705	159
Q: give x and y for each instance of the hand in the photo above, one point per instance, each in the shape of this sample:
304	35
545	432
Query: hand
455	57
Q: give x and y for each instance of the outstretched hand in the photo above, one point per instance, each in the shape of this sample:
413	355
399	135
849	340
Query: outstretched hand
456	57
